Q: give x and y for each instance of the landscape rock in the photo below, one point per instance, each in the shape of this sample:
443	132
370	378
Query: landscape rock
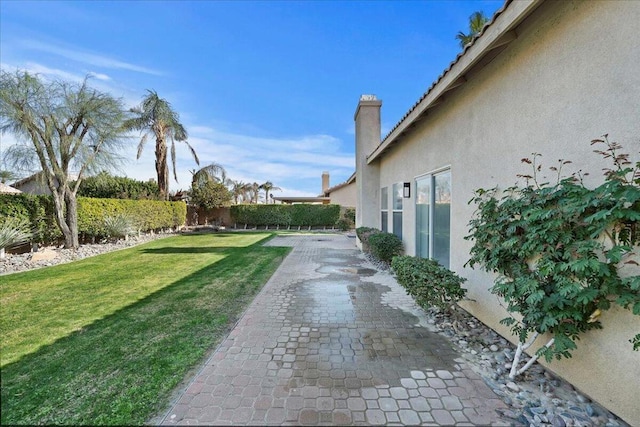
49	256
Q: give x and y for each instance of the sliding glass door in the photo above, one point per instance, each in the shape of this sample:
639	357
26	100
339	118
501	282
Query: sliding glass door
433	216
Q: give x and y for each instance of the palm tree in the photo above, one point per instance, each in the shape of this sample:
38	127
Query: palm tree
254	191
238	191
6	176
267	187
213	172
155	117
476	23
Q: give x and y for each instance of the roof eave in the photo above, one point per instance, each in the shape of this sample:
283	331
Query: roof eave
499	32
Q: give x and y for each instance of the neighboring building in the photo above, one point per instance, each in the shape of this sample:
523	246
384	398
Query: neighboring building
343	194
36	184
544	77
7	189
301	199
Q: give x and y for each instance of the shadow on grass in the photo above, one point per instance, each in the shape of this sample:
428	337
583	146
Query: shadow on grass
121	369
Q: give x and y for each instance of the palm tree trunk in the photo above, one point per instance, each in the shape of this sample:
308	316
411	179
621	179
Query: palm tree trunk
162	169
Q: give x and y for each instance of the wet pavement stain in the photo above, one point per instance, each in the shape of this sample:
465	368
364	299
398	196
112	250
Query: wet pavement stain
325	344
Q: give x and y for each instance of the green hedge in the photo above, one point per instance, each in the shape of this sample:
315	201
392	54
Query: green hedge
106	186
286	215
429	283
39	210
144	214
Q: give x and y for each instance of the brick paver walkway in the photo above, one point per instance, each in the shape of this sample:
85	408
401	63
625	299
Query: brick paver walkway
330	340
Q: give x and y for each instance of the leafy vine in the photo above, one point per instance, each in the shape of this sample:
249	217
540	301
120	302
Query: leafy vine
558	250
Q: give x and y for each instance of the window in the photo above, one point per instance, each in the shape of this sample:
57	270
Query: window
433	216
397	209
384	209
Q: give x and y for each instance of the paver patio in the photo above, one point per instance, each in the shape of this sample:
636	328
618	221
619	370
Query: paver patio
332	341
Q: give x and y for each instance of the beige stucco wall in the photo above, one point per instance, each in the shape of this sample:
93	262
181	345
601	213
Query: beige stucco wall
34	187
571	76
344	196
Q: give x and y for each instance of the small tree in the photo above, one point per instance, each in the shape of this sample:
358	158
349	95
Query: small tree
558	250
60	127
210	195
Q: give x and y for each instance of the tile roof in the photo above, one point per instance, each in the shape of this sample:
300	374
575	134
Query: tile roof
524	8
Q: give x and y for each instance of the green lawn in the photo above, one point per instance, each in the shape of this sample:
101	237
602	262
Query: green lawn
106	339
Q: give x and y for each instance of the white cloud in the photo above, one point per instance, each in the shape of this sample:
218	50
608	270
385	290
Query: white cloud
99	76
35	68
97	60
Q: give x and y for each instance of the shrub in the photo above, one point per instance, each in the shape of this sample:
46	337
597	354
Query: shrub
429	283
385	246
363	234
118	225
347	220
344	224
13	231
38	210
558	249
106	186
144	214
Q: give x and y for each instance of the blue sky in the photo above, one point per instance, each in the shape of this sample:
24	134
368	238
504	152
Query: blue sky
267	89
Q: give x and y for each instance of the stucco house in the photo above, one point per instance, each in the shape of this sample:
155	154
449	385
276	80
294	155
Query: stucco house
7	189
343	194
36	183
544	77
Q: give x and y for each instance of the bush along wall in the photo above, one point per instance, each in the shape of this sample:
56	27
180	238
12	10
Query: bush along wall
429	283
37	210
145	215
285	216
384	246
559	251
363	234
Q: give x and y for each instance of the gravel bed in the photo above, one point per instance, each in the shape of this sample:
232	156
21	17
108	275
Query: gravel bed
14	263
535	398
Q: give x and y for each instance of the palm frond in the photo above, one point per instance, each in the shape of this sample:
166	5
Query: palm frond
141	145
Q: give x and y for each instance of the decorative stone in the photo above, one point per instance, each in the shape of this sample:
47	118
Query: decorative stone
557	421
494	348
513	386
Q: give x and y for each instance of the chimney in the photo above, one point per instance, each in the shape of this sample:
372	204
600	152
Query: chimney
367	118
325	182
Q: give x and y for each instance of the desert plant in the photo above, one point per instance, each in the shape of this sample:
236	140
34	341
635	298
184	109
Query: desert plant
558	250
13	231
385	246
118	225
428	282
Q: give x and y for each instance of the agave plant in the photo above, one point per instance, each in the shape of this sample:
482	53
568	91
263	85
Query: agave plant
13	231
118	225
